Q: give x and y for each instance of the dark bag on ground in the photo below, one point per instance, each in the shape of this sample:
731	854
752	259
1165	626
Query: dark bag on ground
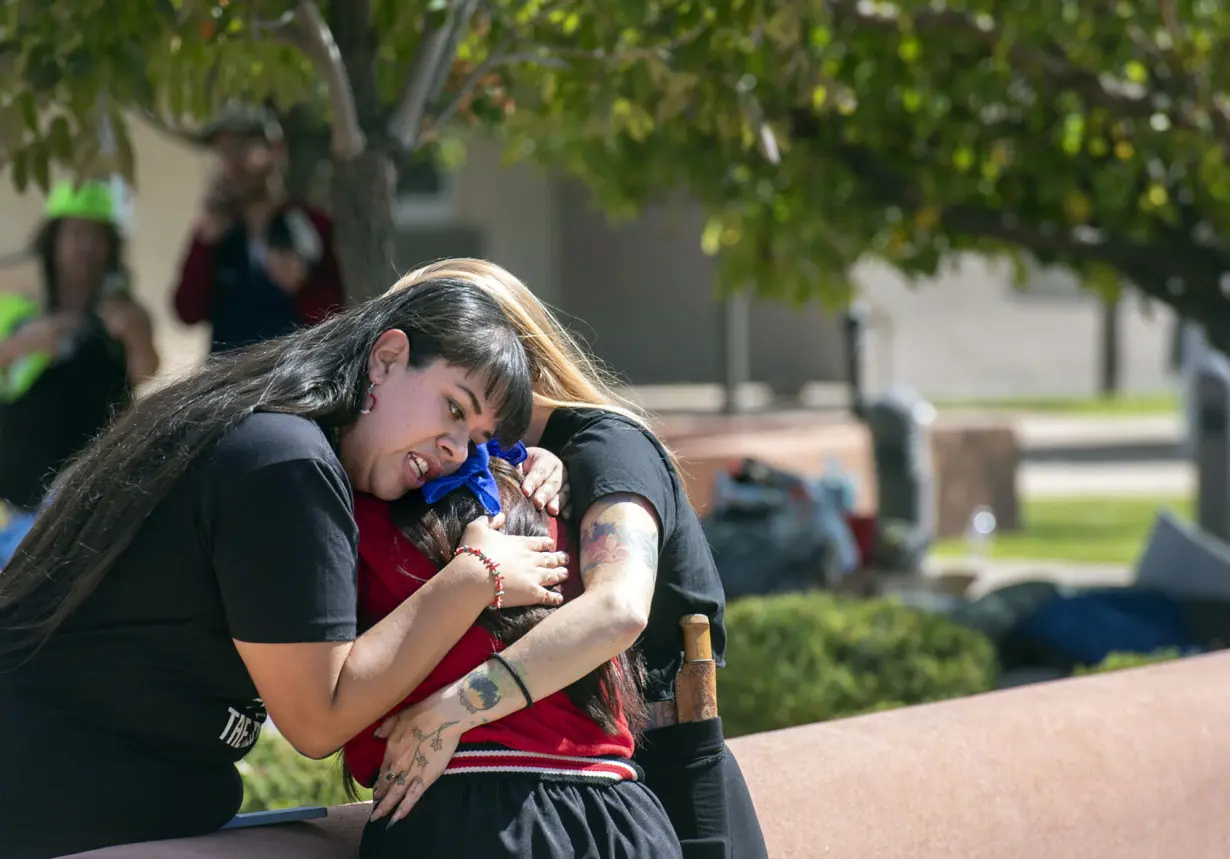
774	532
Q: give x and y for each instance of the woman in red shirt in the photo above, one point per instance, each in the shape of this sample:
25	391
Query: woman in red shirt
554	779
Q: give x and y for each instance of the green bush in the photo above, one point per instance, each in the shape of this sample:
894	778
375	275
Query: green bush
277	776
1120	661
801	658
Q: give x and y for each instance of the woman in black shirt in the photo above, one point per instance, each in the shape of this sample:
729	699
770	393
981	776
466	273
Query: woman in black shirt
196	568
645	564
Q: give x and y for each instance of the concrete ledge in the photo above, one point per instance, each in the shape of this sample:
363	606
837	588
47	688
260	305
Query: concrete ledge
1130	765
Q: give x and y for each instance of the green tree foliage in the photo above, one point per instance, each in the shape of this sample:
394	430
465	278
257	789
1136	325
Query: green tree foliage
1088	133
384	77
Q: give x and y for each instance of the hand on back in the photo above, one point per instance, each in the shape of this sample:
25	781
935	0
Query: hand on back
546	481
530	566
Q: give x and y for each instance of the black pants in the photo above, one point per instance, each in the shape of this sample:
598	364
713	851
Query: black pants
700	784
514	815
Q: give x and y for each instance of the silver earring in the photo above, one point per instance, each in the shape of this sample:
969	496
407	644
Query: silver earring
369	399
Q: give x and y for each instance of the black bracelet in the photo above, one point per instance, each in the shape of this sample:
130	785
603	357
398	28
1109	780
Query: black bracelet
529	700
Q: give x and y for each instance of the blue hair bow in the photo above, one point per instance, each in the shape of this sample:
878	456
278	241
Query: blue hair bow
475	475
515	455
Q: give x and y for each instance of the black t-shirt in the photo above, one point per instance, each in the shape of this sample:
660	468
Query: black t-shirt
605	454
127	724
70	403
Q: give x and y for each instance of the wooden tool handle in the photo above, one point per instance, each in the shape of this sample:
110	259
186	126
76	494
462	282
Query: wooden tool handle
696	686
697	645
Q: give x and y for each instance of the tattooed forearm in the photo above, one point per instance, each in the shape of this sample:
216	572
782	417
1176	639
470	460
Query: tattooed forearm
489	687
479	692
613	538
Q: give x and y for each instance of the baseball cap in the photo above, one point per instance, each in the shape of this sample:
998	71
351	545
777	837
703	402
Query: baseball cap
244	120
90	201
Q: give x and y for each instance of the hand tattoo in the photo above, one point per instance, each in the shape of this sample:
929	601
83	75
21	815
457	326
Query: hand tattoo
435	738
479	693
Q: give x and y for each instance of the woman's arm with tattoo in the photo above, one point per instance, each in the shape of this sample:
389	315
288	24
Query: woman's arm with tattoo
619	564
619	561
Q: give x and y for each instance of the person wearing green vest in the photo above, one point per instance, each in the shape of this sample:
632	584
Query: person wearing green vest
70	358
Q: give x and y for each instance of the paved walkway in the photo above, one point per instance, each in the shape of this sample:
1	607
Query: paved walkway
1038	479
1045	430
1158	477
1063	480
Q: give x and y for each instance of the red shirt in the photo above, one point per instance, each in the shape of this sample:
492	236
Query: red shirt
390	570
321	296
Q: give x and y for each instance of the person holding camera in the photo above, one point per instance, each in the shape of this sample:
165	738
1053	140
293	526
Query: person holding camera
259	265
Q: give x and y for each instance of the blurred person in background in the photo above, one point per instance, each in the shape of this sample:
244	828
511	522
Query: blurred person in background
258	265
72	357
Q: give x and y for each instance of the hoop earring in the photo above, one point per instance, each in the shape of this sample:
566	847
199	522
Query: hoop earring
369	399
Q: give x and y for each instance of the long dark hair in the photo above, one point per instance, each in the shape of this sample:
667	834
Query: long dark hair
44	247
100	501
609	692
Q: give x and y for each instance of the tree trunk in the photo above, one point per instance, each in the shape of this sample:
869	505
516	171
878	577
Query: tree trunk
736	350
361	190
362	196
1109	369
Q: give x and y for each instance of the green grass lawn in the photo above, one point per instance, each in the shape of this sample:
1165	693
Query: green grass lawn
1086	530
1149	404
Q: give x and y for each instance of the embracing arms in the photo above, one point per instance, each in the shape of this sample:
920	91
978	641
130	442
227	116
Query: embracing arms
619	557
322	694
619	562
286	571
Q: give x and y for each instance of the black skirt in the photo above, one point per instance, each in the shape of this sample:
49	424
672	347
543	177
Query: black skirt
515	815
691	770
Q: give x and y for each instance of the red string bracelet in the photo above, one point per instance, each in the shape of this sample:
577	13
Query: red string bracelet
492	567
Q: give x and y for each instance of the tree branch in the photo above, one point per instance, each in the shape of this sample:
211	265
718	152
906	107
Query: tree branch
305	28
649	52
509	52
435	57
499	57
283	27
154	119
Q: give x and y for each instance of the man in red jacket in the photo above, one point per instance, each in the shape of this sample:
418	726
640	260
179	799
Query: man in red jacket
259	265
